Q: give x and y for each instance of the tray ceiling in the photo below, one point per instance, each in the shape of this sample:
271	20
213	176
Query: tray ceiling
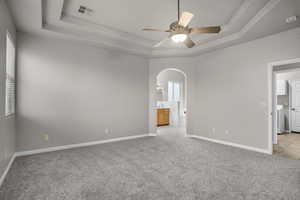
133	15
118	23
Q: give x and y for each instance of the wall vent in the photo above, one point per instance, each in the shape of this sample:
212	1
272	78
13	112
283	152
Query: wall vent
84	9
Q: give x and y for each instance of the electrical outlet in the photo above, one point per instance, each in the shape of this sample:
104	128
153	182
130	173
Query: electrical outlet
46	137
106	131
291	19
227	132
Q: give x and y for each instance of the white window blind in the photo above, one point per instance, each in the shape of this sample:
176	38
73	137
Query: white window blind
10	77
173	91
176	93
170	91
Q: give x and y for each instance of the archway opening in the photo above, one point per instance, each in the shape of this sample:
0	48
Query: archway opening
171	102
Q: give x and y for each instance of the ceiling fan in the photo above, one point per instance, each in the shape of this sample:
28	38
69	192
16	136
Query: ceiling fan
179	30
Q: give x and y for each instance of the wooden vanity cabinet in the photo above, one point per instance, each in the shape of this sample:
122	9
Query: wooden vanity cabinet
163	116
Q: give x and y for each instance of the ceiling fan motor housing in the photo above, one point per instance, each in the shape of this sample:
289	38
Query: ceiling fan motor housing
175	27
179	30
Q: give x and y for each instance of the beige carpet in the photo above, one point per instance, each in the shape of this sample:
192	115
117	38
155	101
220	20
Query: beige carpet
288	146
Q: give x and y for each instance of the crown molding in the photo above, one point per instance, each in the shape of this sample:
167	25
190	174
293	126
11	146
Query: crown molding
218	42
118	34
109	37
107	31
112	32
265	10
108	43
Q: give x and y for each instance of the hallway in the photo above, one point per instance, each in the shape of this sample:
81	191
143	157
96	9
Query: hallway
179	130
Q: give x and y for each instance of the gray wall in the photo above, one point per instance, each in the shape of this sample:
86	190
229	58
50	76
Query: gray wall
232	89
227	90
7	133
72	92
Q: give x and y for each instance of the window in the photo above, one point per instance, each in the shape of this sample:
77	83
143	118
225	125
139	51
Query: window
176	92
10	77
170	91
173	91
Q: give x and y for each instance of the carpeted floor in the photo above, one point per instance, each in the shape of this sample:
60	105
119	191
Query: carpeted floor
166	167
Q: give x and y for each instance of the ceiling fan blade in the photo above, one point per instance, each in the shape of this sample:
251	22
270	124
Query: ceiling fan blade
185	18
157	30
189	42
161	42
209	29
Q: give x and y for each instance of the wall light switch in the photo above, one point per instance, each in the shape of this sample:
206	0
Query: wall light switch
106	131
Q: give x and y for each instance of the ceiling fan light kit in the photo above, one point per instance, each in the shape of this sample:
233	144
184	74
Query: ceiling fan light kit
180	37
180	32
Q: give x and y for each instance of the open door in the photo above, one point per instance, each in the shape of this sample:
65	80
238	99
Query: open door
295	106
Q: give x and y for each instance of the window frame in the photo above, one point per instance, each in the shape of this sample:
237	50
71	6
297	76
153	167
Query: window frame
172	92
9	113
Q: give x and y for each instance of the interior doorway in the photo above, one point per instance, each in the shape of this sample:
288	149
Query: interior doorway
171	102
286	109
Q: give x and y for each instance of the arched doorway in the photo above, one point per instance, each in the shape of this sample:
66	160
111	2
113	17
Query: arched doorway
171	101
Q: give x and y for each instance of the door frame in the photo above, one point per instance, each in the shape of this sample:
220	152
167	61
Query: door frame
184	73
290	103
272	100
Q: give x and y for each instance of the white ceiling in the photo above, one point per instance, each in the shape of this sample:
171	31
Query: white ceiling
118	23
133	15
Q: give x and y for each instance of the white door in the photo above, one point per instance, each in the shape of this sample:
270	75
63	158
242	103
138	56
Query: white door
295	106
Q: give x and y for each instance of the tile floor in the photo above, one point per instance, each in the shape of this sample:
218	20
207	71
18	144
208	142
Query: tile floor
288	146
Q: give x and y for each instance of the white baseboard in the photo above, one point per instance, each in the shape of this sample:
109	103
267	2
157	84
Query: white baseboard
71	146
265	151
152	134
7	169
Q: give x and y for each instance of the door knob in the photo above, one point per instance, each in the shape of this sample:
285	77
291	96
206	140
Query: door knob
293	109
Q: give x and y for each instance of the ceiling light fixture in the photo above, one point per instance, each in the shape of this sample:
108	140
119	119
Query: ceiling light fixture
180	37
179	31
